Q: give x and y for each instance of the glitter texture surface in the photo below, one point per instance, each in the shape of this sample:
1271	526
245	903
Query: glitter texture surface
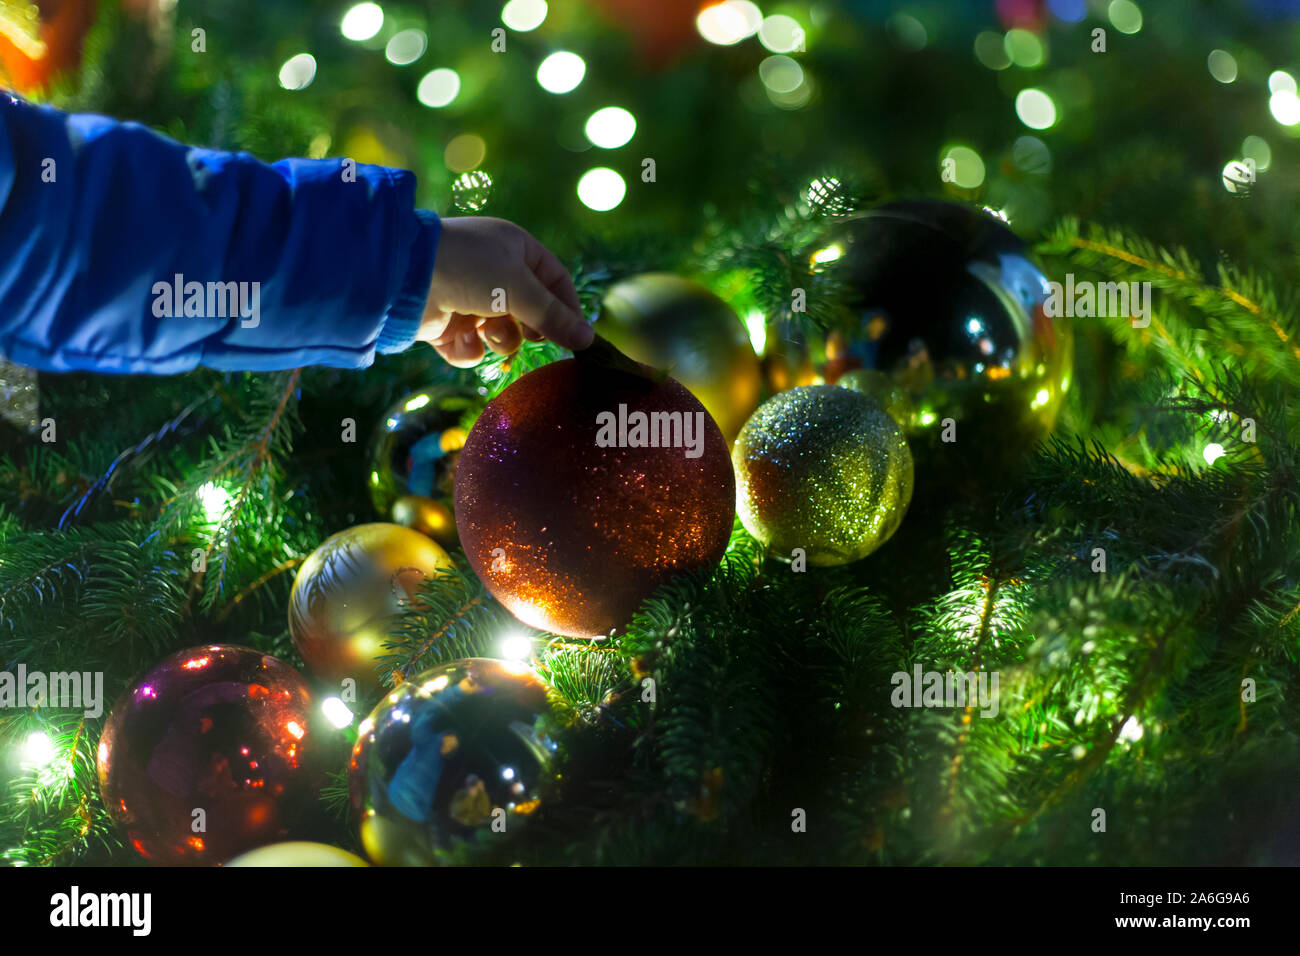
571	537
824	469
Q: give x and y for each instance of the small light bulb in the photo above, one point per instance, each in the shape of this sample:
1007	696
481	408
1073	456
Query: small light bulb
516	647
38	750
336	712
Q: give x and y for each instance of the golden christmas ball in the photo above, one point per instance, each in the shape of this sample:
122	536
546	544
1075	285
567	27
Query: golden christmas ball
427	516
348	592
297	853
823	469
677	325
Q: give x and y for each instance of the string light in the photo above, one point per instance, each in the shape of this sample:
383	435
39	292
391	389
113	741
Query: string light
611	127
524	15
38	751
214	499
782	34
298	72
601	189
406	47
516	647
726	24
438	88
362	22
336	712
561	72
1035	109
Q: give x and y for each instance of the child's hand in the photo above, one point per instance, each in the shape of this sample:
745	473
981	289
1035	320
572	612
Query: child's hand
490	278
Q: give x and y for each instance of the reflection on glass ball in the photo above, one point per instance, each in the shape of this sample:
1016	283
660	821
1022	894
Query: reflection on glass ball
471	191
414	449
458	752
946	302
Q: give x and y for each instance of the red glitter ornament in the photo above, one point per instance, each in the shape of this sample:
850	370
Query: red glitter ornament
567	517
220	729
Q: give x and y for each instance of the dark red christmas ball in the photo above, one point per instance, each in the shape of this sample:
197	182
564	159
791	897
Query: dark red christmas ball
569	513
220	729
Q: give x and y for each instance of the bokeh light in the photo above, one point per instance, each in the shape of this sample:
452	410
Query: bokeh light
1031	154
991	51
728	23
298	72
524	15
611	127
1280	81
1071	11
782	34
465	152
1285	107
1125	15
967	167
362	22
601	189
406	47
780	74
438	88
561	72
1256	148
908	32
1023	48
1223	65
1035	109
1213	452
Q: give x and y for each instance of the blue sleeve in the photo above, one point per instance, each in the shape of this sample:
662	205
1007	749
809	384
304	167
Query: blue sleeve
124	251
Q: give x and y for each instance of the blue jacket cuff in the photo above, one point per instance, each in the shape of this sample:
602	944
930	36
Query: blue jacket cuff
407	311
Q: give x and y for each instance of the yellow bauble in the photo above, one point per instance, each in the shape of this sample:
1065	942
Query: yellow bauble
427	516
348	592
678	325
298	853
823	469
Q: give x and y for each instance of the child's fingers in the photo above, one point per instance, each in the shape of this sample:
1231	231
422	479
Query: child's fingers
459	343
501	334
548	268
537	307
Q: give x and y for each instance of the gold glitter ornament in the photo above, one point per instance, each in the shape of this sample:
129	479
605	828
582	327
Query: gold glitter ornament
824	469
